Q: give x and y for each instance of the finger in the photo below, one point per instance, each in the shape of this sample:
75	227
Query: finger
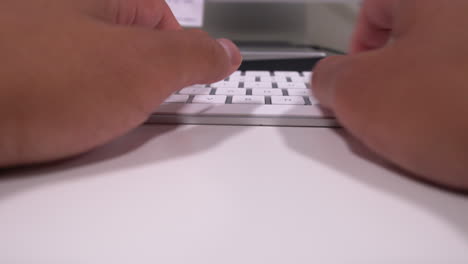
198	58
327	75
171	60
154	14
374	25
371	97
352	86
169	21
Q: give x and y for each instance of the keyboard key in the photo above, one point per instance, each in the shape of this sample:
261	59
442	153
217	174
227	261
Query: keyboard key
267	92
286	73
248	99
231	91
195	91
279	79
298	79
209	99
225	84
259	85
257	73
237	78
300	92
266	78
307	74
259	79
251	79
177	98
287	100
292	85
236	73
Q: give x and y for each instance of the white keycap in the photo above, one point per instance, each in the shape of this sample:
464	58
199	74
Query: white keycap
247	99
237	78
177	98
225	84
306	79
307	74
286	73
279	79
287	100
250	78
300	92
261	85
258	79
265	79
231	91
298	79
292	85
267	92
236	73
209	99
257	73
195	91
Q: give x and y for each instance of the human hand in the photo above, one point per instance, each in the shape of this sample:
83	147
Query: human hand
403	90
75	74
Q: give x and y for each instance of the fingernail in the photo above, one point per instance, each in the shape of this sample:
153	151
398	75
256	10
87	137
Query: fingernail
232	51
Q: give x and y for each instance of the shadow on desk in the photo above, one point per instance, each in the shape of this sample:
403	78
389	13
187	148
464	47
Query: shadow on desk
119	154
442	203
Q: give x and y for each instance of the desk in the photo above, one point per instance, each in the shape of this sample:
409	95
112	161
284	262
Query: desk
221	195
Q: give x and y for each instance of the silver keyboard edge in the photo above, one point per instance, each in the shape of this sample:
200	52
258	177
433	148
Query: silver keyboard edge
242	120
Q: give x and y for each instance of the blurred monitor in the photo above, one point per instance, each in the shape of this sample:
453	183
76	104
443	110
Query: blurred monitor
265	27
290	1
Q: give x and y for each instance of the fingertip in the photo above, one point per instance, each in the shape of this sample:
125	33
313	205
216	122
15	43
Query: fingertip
232	52
324	79
203	59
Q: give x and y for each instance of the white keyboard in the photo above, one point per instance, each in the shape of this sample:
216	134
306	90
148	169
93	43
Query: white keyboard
279	98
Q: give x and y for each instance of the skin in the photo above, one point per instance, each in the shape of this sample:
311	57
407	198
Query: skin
76	74
403	89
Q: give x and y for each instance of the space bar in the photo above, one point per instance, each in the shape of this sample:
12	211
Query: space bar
243	110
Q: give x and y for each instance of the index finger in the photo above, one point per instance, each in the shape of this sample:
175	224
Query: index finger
155	14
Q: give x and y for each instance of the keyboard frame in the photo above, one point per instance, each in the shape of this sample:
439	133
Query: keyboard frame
251	115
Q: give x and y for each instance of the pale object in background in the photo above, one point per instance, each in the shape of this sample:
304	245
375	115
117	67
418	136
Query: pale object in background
189	13
290	1
296	22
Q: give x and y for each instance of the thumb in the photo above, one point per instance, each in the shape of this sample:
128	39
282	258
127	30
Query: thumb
161	62
193	57
356	88
329	73
351	81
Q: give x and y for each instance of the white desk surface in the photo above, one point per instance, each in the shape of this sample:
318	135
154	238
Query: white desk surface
222	195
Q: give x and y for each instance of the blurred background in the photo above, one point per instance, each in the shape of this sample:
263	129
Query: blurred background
327	23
